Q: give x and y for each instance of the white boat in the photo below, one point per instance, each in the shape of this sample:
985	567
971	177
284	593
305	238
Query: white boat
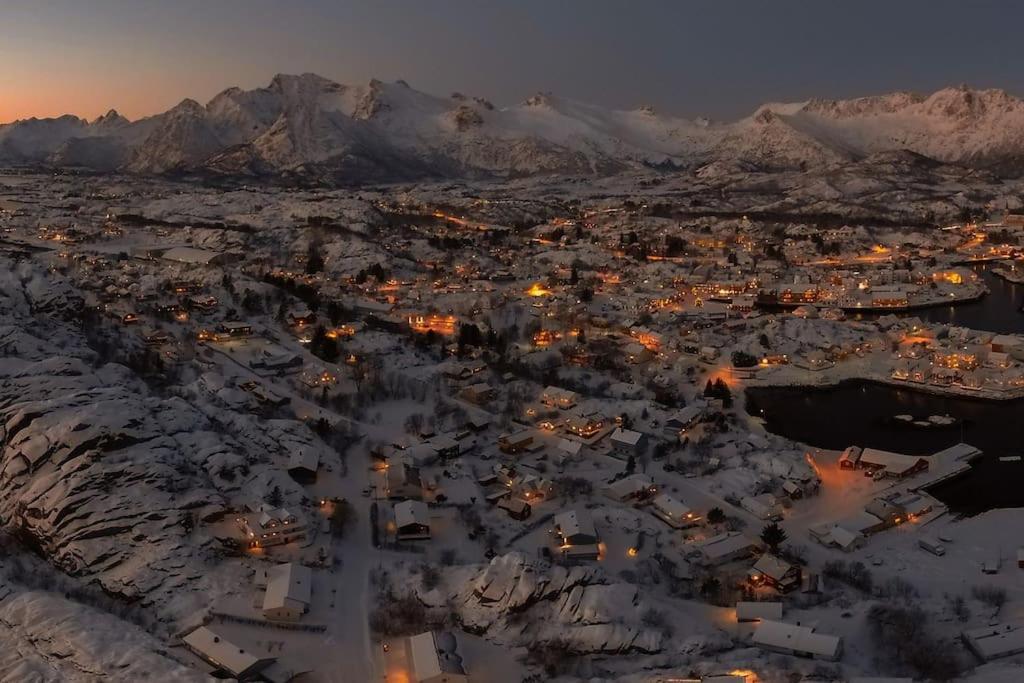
1010	458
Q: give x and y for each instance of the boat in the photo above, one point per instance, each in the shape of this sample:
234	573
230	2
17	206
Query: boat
1010	458
942	420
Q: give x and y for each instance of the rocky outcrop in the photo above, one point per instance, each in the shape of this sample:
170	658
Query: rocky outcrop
515	601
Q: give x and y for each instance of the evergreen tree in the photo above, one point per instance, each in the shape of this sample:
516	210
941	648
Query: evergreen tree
773	536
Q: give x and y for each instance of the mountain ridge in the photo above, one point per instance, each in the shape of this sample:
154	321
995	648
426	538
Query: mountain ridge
309	125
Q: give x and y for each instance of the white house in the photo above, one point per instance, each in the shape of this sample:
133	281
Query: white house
224	655
626	442
993	642
304	462
635	487
577	536
763	506
289	587
434	658
725	548
412	521
799	641
673	512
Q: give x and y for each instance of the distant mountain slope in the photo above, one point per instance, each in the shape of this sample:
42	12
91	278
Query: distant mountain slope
310	125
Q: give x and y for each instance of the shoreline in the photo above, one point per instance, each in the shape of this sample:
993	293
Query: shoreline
939	303
933	390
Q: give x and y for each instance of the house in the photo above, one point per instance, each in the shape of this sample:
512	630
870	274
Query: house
301	317
635	487
557	397
289	587
763	506
626	442
531	487
303	463
835	536
584	424
797	640
682	421
576	535
412	521
478	393
776	573
154	337
673	512
444	445
433	657
862	523
403	481
225	656
995	641
887	511
566	449
232	330
726	547
206	304
516	442
517	508
758	611
894	464
850	458
269	526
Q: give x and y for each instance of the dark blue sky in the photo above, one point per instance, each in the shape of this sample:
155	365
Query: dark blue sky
719	58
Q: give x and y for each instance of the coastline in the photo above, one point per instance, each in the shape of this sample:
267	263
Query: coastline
937	303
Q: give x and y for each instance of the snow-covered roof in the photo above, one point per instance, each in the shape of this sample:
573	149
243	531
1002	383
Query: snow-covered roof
221	652
778	635
575	522
772	567
411	512
304	458
726	544
626	437
671	507
287	583
992	642
432	654
897	463
860	523
631	485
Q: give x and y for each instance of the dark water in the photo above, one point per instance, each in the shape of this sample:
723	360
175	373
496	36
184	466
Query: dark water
859	413
998	311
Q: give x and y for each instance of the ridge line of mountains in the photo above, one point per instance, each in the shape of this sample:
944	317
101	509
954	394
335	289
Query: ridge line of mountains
311	127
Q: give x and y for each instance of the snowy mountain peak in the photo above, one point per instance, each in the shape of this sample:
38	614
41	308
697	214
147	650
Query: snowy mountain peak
111	119
312	125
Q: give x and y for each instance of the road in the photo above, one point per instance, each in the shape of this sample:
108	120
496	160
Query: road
350	653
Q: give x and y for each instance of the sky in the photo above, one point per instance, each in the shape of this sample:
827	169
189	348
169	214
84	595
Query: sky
719	58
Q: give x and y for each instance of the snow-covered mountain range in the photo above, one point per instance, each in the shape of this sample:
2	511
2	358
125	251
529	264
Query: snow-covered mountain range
310	126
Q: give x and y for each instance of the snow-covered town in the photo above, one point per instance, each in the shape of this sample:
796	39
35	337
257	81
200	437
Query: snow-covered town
323	382
438	430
